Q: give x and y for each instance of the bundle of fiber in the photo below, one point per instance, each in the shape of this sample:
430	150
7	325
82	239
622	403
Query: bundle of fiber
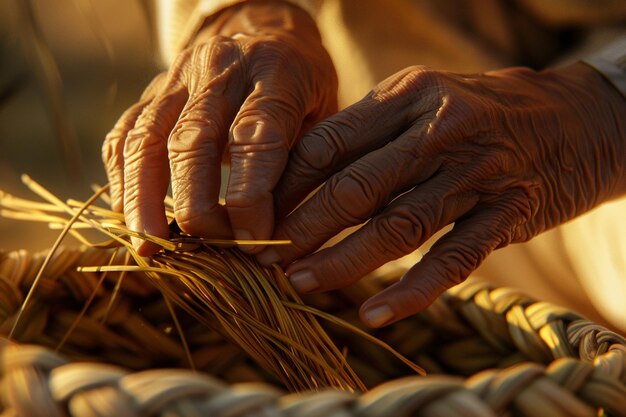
201	329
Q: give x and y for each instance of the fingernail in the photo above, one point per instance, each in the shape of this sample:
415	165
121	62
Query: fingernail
304	281
378	316
268	257
242	234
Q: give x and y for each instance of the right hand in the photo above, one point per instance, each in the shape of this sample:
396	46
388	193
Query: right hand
504	155
250	84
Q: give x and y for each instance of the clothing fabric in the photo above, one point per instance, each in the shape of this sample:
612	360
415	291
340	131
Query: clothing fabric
582	264
611	62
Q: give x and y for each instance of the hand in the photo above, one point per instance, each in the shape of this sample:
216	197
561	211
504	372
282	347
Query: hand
252	82
504	155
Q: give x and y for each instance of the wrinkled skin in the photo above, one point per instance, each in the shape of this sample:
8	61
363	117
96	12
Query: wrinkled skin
504	155
252	82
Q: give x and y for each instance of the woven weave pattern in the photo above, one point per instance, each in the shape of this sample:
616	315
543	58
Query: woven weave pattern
488	351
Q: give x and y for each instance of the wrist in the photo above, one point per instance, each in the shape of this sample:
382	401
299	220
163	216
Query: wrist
601	108
259	17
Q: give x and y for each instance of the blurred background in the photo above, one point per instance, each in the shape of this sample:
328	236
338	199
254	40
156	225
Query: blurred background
68	69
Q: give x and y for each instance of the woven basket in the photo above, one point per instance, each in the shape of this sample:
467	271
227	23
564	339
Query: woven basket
488	352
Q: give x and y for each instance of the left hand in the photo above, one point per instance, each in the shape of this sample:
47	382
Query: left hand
252	81
504	155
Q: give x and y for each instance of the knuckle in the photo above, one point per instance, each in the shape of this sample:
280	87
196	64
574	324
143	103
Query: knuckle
413	92
199	112
410	80
196	152
399	233
459	262
146	128
271	50
216	55
152	122
353	195
195	139
209	127
280	63
203	108
417	76
140	146
275	109
262	139
323	146
408	225
147	137
331	134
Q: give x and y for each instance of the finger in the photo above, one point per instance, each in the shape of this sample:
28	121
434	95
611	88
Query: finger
113	146
449	262
195	151
146	171
113	153
397	231
262	134
353	195
196	144
336	142
330	146
347	199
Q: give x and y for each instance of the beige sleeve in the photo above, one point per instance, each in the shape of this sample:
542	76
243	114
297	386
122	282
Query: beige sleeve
178	20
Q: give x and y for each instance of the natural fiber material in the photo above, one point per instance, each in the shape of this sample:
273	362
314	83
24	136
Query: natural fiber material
252	306
488	351
523	357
